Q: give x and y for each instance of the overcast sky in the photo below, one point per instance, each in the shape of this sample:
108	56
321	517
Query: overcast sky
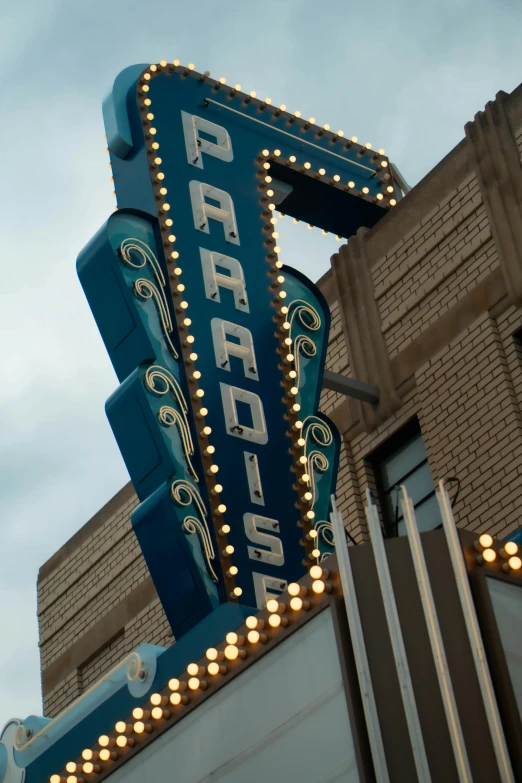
403	74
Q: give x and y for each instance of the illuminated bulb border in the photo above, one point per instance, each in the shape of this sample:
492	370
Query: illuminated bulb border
227	656
182	310
161	193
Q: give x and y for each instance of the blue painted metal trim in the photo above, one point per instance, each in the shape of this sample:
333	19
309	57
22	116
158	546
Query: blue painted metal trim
115	114
119	705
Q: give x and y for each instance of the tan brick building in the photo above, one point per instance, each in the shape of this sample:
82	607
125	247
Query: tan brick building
427	306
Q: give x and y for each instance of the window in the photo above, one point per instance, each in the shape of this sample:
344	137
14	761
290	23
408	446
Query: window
403	460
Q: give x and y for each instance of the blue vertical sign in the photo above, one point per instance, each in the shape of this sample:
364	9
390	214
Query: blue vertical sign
219	348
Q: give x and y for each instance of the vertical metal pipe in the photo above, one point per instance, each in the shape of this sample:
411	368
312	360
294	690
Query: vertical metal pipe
397	642
359	647
435	636
475	637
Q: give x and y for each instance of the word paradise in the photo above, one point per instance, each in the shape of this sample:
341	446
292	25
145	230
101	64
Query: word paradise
219	348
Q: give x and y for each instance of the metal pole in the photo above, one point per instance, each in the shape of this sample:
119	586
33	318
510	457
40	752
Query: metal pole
437	646
359	647
397	642
475	637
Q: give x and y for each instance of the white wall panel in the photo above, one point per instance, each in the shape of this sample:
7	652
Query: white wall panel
284	719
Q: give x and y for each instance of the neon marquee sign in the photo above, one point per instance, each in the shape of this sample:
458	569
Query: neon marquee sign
218	346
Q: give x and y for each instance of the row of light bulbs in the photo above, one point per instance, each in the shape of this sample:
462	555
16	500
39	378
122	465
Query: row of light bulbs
188	341
194	680
221	82
508	553
335	180
295	407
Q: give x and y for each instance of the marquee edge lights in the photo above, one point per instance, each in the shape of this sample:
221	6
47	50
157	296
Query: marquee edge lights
305	126
303	470
200	677
507	556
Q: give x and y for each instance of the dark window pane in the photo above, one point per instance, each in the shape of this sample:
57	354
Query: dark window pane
401	462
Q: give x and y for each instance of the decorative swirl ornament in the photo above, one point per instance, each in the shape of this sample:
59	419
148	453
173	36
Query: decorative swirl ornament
138	254
12	733
135	668
304	316
317	433
169	415
185	494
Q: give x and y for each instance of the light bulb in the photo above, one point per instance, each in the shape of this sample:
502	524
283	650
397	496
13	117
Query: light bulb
193	683
485	540
70	766
105	754
222	80
307	165
296	604
294	588
515	563
103	740
120	727
213	668
316	552
318	586
137	713
489	555
139	727
510	548
157	713
316	572
272	605
274	620
251	622
87	754
121	741
231	652
192	669
155	699
232	571
232	637
175	699
88	767
253	637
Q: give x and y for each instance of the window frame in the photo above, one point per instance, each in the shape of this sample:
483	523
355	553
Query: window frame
397	440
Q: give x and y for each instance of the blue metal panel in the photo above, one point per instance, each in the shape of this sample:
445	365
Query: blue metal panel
181	144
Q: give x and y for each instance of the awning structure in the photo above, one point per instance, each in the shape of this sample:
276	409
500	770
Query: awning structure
425	627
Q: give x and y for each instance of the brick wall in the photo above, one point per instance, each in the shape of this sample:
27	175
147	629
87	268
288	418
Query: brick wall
447	321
